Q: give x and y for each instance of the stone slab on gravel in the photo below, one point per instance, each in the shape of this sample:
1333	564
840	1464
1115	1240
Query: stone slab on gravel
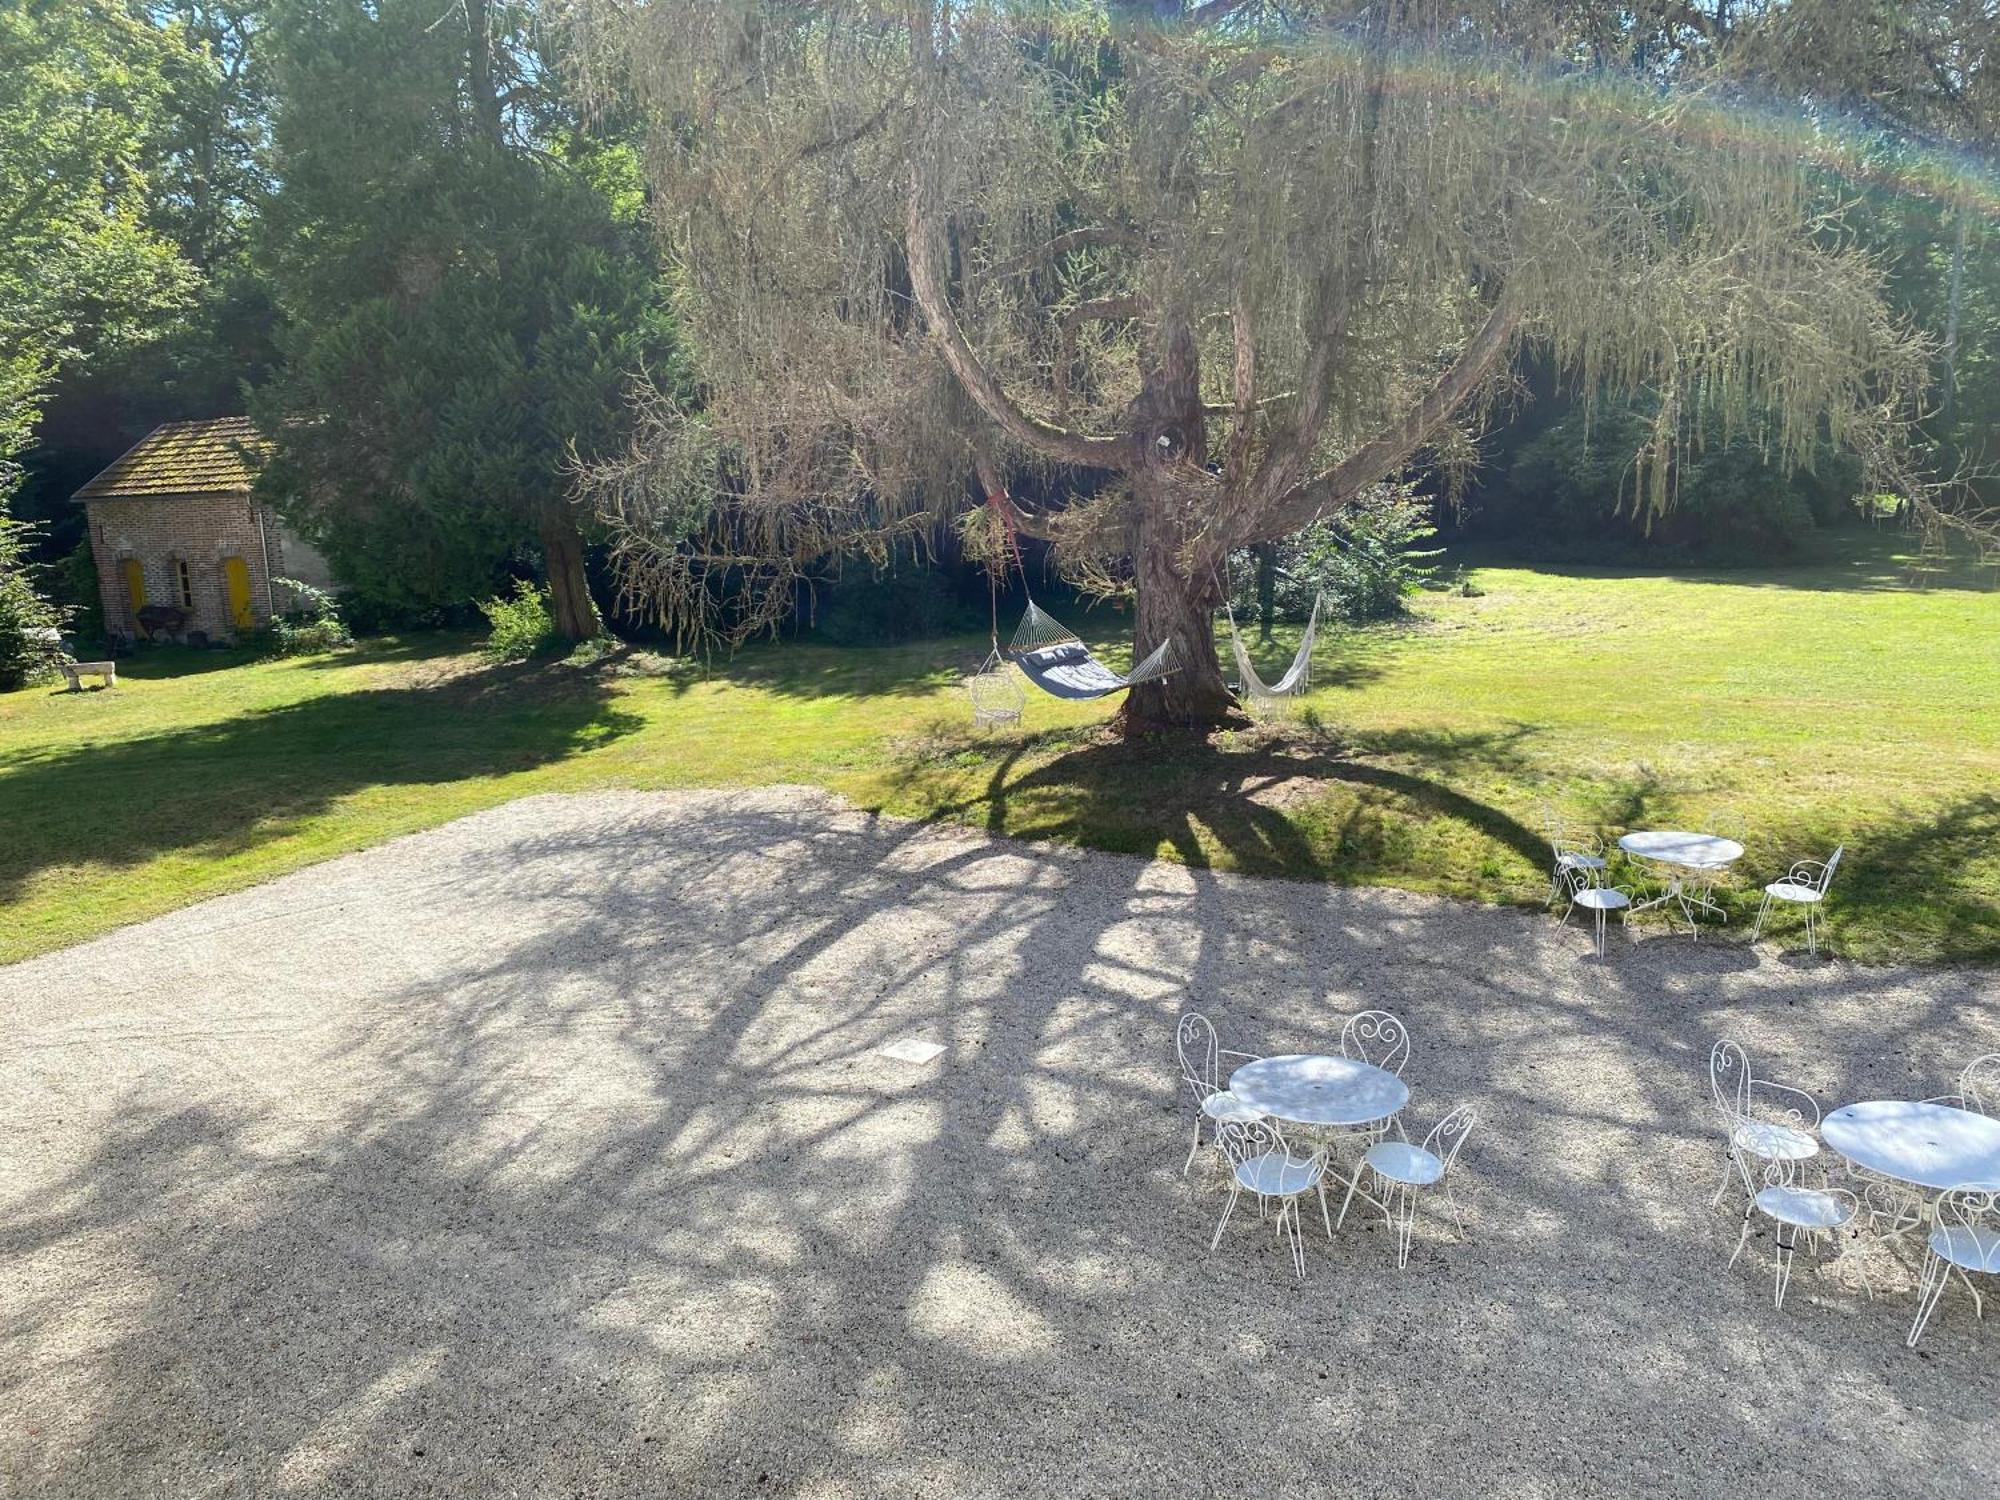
551	1153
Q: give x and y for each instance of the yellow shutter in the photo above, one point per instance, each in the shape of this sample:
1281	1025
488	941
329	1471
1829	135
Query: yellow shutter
236	578
135	585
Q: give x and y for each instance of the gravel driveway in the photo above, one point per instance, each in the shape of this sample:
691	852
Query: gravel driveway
549	1153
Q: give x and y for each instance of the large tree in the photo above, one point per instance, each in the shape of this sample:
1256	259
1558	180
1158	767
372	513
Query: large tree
84	88
468	297
1220	266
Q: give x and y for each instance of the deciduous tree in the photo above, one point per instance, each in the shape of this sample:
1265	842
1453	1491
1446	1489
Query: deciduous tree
1224	264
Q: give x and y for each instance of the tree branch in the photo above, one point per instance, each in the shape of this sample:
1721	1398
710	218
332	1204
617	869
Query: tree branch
1390	449
1062	244
1104	309
1243	386
927	258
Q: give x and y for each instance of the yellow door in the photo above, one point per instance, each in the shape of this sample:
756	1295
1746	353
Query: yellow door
135	587
236	578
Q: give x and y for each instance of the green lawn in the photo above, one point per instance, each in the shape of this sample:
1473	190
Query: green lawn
1817	705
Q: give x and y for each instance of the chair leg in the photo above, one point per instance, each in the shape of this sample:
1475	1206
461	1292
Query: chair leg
1936	1275
1742	1239
1457	1213
1324	1217
1978	1302
1728	1165
1195	1149
1762	912
1406	1221
1230	1208
1787	1250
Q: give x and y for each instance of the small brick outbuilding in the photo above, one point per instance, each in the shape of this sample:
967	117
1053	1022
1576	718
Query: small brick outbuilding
173	523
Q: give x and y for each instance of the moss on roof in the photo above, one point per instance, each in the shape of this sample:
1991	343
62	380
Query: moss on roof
216	457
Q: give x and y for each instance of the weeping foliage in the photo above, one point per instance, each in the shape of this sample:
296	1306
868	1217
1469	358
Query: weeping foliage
1247	261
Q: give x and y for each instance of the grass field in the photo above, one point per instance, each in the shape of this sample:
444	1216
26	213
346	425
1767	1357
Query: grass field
1814	705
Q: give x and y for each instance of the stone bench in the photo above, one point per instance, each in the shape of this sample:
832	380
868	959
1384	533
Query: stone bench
76	671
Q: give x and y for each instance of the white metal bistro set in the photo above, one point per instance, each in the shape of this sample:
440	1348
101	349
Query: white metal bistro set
1929	1166
1335	1107
1685	867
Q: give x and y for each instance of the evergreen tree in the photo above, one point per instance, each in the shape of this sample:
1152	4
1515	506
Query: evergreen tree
467	304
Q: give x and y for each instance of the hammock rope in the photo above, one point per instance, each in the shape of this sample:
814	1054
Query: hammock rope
1298	676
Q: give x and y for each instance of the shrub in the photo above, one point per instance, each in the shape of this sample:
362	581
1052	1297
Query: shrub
1365	560
311	625
521	622
30	626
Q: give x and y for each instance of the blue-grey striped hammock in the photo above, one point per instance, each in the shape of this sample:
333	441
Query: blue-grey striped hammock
1055	660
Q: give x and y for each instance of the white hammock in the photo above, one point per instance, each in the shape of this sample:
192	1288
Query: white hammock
1298	676
1055	660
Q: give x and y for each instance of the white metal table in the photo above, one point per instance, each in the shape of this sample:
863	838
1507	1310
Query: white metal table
1307	1089
1691	860
1929	1147
1925	1145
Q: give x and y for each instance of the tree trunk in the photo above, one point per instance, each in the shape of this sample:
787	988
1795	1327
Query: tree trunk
1173	607
569	587
1954	311
1178	590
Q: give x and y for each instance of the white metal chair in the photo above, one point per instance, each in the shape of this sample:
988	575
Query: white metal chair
1797	1208
1587	889
1978	1086
1965	1237
1260	1162
1762	1121
1400	1170
1201	1074
1573	849
1381	1040
1804	886
1377	1038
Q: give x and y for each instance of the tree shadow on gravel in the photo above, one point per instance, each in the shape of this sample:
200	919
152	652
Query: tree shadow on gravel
571	1167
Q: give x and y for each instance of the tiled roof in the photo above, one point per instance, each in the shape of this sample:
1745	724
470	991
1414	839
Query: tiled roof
183	458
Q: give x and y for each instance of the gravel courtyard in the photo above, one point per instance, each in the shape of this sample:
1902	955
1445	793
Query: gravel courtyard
549	1153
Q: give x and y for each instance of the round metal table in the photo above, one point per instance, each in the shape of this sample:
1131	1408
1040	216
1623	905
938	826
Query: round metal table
1692	862
1930	1146
1307	1089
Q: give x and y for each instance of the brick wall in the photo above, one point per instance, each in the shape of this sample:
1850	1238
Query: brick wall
201	530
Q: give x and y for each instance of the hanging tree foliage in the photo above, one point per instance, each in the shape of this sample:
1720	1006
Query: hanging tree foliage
1234	262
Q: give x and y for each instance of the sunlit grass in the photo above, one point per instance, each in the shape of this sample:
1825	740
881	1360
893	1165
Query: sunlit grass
1815	705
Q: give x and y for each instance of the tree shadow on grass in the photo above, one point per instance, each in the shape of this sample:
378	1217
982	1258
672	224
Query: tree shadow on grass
1259	804
225	787
1912	882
